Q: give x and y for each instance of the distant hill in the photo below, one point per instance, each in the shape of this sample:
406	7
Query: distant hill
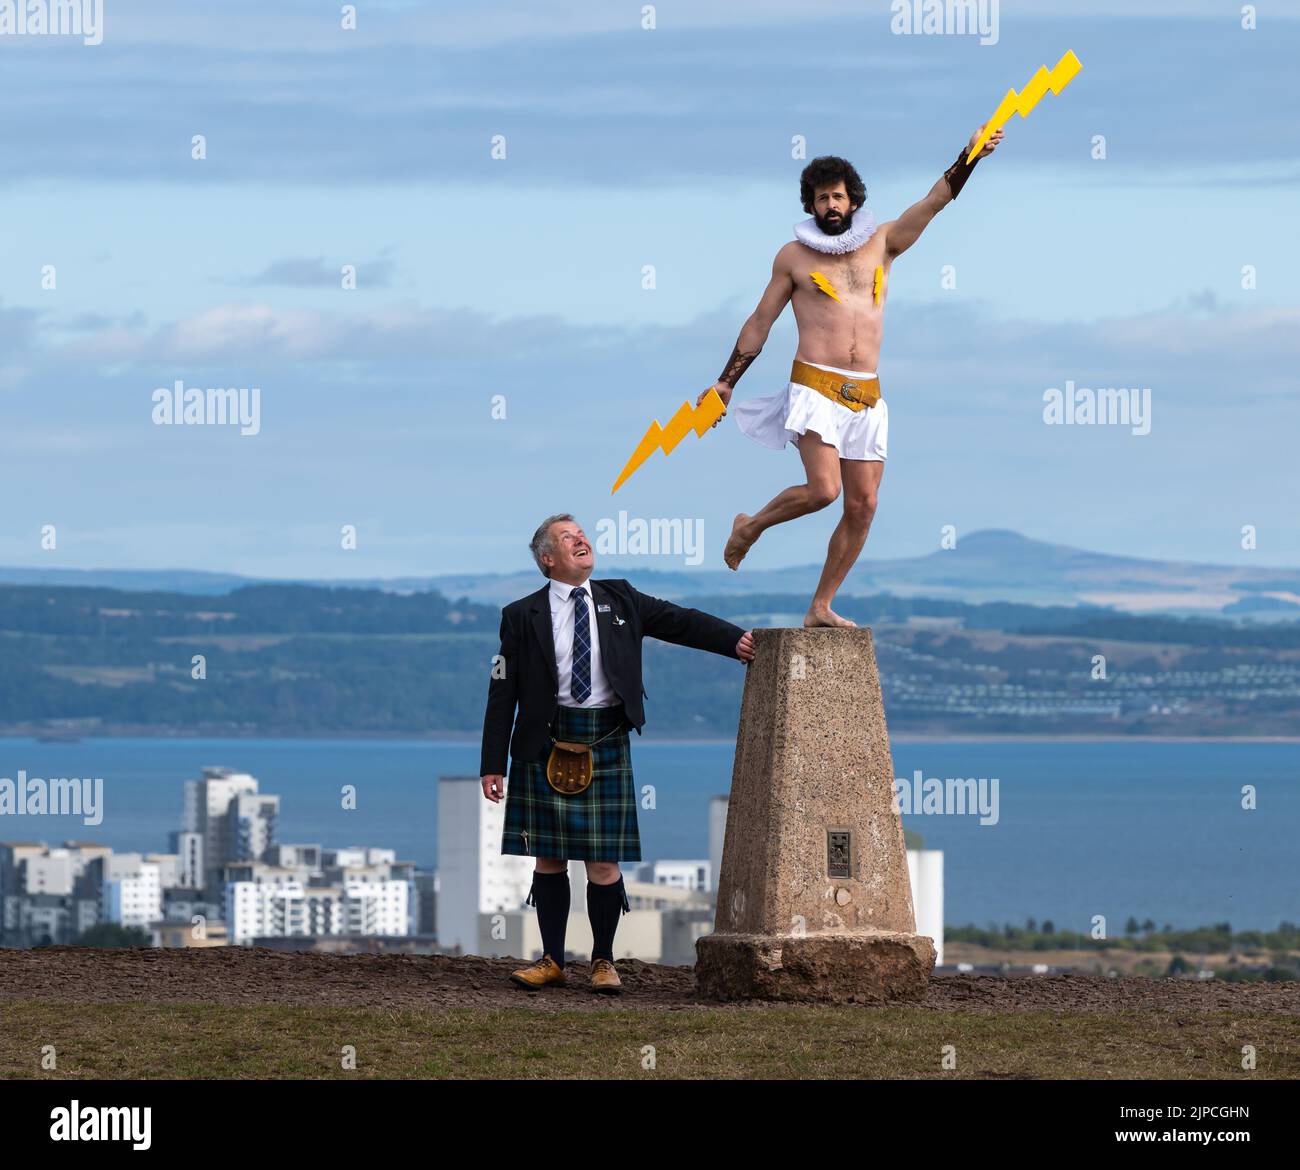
990	565
304	660
142	580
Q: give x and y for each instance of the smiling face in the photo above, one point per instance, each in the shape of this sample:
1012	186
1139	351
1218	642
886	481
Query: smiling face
832	209
572	558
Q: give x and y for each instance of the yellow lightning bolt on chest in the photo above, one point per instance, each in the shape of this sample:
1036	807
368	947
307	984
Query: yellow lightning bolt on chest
877	280
825	285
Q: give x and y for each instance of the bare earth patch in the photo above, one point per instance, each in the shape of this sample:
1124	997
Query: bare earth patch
241	975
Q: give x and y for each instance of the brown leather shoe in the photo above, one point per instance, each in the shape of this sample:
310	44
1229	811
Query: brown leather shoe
604	979
543	973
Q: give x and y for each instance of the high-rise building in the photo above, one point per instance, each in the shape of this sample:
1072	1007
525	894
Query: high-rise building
424	905
188	847
717	834
925	870
253	819
474	877
233	823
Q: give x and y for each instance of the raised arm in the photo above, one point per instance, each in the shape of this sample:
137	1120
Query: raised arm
753	334
903	232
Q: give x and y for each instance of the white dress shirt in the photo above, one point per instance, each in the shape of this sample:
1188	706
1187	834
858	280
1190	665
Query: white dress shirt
562	614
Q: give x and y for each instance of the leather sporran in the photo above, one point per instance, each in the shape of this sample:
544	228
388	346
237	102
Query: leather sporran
569	768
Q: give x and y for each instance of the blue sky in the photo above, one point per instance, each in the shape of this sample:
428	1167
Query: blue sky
522	276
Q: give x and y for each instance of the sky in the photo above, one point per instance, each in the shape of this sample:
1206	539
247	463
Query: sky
500	355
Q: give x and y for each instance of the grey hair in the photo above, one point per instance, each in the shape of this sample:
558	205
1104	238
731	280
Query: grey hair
542	543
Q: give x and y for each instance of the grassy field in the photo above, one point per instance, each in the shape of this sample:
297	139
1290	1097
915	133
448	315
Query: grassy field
195	1041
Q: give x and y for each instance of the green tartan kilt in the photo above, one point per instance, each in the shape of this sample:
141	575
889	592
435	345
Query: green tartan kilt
598	824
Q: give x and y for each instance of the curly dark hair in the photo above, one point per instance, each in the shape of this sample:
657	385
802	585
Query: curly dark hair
826	171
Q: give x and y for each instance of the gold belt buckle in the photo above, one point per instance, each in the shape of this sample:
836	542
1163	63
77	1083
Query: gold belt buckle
845	387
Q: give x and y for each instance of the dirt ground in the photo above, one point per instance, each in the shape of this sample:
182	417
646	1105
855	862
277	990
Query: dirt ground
241	975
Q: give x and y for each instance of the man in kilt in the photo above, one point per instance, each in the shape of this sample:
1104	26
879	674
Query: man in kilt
569	671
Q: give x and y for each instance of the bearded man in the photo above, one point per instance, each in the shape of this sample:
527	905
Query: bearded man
836	274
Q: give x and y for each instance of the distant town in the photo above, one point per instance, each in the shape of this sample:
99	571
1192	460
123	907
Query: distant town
226	880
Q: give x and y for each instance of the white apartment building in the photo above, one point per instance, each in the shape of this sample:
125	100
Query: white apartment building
356	856
169	868
474	877
287	908
307	856
373	906
677	875
52	872
130	890
47	895
717	833
925	869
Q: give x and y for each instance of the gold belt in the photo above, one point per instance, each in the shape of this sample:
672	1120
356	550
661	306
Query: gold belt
854	393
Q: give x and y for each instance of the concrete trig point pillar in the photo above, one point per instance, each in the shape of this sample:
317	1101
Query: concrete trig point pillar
814	901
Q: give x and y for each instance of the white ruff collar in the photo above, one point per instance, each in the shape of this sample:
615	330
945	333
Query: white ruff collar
860	231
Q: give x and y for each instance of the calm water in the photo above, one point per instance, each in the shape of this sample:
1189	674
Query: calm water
1145	829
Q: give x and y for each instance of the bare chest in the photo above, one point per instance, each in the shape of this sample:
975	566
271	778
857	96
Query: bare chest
858	278
855	273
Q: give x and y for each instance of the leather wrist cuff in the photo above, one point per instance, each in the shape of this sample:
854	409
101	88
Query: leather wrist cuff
959	172
736	365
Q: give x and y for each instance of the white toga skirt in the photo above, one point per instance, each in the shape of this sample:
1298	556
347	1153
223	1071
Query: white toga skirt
783	418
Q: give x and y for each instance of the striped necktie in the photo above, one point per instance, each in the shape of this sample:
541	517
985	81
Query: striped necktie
580	681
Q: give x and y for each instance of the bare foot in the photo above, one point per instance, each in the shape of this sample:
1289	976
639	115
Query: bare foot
738	544
823	615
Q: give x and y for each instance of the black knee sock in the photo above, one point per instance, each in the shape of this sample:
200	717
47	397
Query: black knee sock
550	894
604	905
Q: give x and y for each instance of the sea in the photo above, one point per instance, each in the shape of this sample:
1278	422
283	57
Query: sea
1179	833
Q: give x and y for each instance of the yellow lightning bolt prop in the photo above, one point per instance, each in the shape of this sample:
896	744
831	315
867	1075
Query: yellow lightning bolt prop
688	418
825	285
875	284
1062	73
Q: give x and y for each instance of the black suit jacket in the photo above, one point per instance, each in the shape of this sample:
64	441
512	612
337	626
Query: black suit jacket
531	682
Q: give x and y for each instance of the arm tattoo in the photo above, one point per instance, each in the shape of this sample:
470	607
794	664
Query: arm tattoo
737	364
959	172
